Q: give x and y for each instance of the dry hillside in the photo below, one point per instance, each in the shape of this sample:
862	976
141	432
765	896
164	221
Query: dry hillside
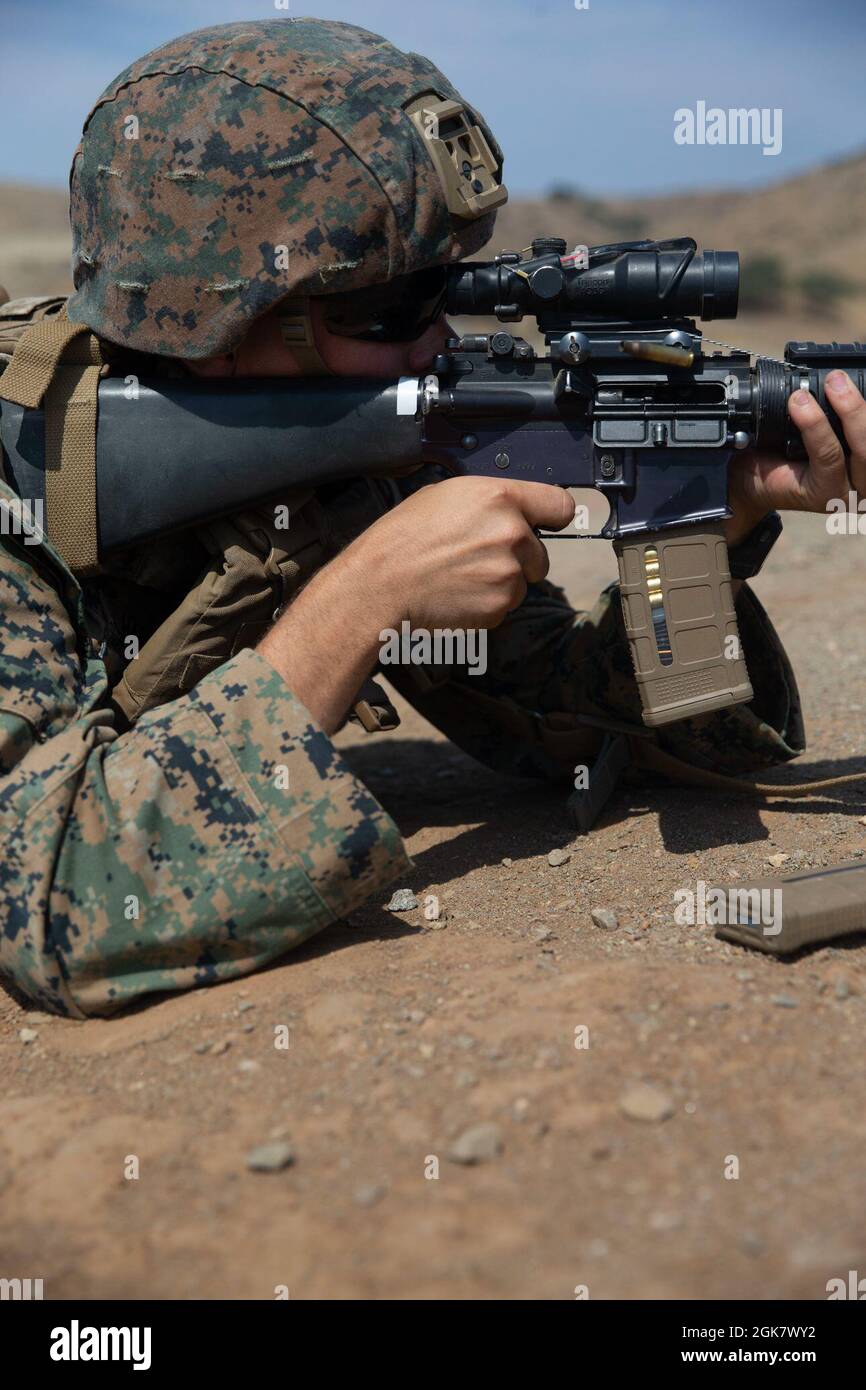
34	240
814	224
816	219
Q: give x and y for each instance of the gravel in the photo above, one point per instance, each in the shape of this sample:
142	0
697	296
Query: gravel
478	1144
270	1158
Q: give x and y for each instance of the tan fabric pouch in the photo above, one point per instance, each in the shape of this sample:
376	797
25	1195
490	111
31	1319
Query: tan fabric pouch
255	569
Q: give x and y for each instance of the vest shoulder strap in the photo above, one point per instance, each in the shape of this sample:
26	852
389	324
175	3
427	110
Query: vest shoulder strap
57	364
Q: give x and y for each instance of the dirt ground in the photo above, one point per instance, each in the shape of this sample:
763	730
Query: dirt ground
402	1037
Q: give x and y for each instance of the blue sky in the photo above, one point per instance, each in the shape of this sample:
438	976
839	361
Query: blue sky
578	97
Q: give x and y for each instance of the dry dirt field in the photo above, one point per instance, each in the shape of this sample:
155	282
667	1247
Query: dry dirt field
402	1038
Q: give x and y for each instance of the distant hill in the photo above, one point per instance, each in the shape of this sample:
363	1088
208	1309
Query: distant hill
817	217
34	240
806	233
804	238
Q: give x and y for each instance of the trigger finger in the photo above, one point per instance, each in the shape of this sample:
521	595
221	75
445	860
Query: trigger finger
534	559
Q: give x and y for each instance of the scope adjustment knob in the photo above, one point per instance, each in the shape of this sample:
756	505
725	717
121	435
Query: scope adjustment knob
547	281
549	246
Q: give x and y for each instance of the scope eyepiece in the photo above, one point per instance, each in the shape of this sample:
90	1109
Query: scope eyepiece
721	290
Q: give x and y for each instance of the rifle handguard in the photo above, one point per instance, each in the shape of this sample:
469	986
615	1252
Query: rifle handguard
678	608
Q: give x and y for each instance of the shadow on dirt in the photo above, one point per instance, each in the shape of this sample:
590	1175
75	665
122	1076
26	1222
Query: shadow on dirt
421	782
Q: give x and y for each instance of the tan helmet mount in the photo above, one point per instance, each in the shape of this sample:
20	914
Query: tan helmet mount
467	168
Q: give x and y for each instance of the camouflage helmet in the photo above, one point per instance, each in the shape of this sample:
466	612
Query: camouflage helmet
248	162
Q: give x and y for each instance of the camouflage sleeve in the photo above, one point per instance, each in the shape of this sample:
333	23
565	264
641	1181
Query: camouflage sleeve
218	833
549	669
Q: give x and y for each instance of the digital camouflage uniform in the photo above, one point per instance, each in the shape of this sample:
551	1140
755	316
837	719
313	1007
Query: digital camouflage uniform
191	824
173	855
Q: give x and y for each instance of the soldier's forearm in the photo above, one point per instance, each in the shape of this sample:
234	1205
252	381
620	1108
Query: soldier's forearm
327	642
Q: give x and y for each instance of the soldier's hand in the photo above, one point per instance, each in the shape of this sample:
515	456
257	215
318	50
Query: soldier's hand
457	554
461	553
761	483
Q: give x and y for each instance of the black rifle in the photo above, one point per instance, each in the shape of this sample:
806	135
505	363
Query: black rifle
624	400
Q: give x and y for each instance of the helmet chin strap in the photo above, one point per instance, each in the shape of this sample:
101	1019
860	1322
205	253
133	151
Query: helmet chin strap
296	327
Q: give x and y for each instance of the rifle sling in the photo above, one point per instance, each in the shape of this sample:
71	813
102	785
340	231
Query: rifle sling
650	756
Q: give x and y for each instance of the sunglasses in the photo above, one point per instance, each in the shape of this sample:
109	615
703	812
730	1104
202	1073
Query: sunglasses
397	312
